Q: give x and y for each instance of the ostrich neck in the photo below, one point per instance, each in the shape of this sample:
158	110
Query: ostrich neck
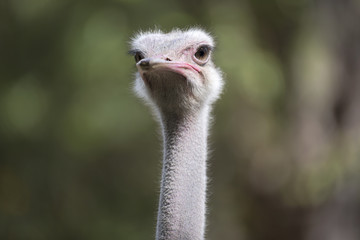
181	214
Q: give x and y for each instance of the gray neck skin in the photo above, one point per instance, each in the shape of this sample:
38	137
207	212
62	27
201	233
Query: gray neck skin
181	214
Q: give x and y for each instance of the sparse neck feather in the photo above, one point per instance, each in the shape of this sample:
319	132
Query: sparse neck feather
181	214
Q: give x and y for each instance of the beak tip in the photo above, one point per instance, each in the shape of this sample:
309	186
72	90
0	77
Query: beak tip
144	62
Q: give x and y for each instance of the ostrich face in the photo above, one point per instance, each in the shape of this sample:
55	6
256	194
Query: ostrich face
175	70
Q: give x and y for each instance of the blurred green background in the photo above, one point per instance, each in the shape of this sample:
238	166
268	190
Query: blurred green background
80	156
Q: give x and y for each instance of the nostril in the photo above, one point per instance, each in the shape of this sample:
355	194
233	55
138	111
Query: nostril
168	59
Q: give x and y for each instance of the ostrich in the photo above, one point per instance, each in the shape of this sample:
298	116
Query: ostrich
179	81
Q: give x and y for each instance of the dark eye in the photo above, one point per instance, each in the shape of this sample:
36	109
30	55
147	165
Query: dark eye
138	56
202	53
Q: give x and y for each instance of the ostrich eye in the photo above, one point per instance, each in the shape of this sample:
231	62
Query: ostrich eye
202	53
138	56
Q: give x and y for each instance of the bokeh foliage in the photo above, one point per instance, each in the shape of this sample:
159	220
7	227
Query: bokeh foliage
80	155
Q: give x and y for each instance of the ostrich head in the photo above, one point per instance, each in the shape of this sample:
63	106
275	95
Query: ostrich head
175	70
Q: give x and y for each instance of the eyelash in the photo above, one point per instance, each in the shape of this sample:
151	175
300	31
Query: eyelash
137	54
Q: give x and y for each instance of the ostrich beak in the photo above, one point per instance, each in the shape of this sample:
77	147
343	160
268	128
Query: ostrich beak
158	64
144	64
